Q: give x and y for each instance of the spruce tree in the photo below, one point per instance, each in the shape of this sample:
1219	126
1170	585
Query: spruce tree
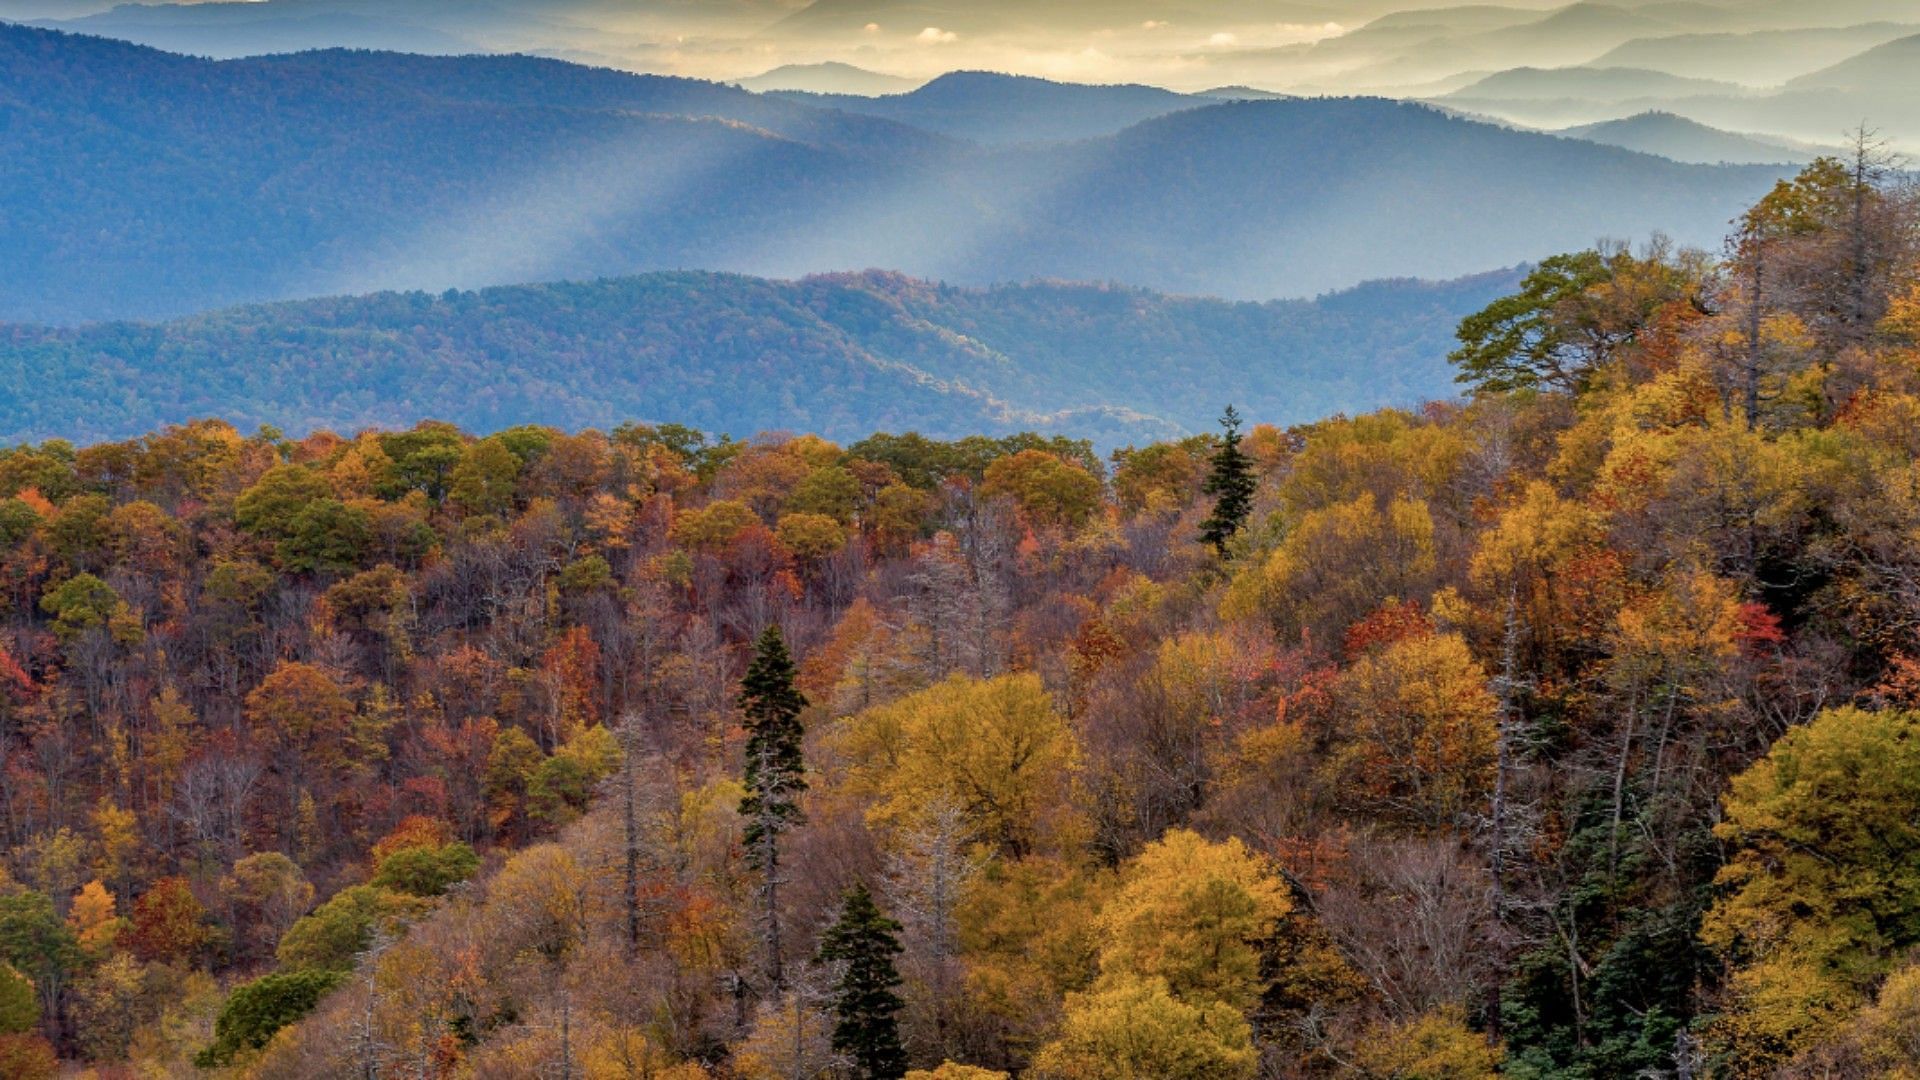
865	1006
775	777
1231	484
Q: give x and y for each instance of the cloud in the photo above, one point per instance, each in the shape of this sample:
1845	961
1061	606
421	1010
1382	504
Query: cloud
1223	38
873	28
933	35
1153	24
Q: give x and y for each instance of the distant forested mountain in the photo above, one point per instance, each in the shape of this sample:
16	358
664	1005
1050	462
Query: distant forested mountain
997	109
829	78
142	184
1682	139
842	355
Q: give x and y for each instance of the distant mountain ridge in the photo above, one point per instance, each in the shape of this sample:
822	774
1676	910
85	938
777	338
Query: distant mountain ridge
828	78
1894	66
224	29
843	355
995	109
1880	87
1587	83
1755	58
1680	139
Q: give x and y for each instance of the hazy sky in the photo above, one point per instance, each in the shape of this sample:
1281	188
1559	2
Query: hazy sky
1182	43
1072	39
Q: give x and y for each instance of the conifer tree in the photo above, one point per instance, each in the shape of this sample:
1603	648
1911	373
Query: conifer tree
865	1007
1231	484
775	777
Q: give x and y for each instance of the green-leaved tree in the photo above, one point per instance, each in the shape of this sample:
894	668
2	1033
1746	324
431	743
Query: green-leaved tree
775	777
865	1006
1231	484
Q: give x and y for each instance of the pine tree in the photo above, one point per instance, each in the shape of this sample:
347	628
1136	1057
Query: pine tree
775	777
865	1006
1231	484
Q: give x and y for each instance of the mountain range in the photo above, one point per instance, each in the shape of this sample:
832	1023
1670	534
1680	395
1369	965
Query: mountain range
1738	65
843	355
1880	87
144	184
1761	58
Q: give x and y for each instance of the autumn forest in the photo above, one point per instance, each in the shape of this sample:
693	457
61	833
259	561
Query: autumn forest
1568	729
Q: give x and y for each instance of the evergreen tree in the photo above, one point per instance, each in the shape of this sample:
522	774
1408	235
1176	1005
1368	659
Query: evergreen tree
1231	484
775	777
865	1006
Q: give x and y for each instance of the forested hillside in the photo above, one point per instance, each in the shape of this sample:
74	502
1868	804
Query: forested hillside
1565	732
841	356
140	184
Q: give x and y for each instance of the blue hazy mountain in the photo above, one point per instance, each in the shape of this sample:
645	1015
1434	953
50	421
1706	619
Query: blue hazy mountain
138	183
250	28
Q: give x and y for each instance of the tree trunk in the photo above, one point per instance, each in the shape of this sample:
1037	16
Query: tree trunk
1503	758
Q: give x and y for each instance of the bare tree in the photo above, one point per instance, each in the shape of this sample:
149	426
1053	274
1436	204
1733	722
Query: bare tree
925	878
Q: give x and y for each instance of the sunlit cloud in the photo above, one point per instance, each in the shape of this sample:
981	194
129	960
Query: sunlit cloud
933	35
1224	39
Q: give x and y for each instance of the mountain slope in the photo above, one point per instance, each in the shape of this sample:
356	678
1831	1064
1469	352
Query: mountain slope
1680	139
142	184
1294	197
1892	69
1586	84
843	355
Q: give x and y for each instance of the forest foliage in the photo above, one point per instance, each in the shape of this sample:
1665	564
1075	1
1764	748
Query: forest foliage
1566	731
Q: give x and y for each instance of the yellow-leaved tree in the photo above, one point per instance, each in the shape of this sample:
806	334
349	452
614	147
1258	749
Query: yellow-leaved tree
1183	944
1336	563
996	749
1437	1045
1195	914
1418	730
1135	1029
1822	892
951	1071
